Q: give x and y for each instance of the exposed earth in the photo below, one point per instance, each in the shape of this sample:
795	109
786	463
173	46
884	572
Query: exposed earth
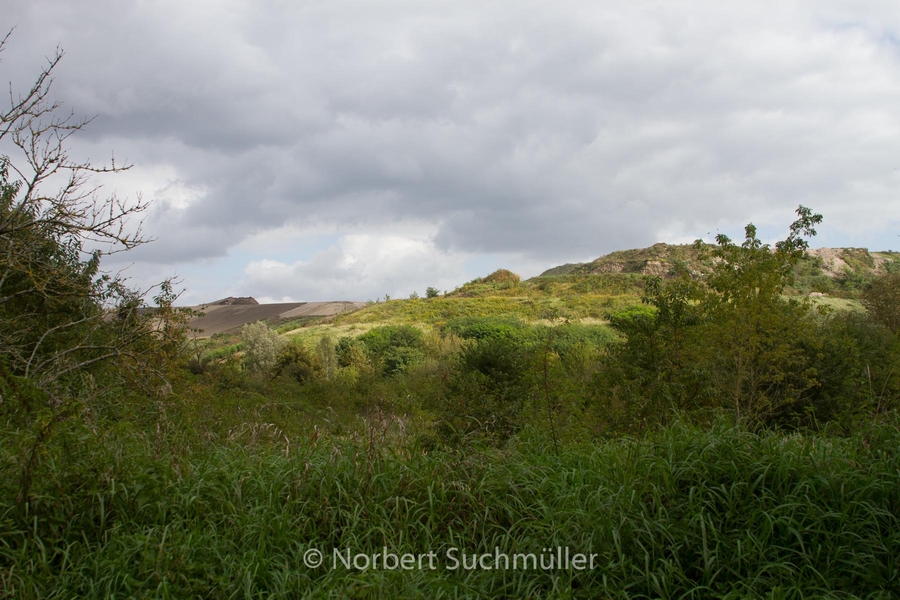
230	313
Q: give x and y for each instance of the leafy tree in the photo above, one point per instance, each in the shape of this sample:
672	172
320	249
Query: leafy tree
261	346
327	356
730	340
882	301
298	362
389	349
432	292
71	336
755	335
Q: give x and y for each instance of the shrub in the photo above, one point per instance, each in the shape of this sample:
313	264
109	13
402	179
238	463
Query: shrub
327	356
299	363
479	328
261	347
882	301
487	391
391	348
502	276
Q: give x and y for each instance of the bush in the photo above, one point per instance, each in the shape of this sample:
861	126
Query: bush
480	328
299	363
487	391
502	276
882	301
261	347
391	348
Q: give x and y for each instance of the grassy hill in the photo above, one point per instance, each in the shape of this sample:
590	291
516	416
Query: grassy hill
586	291
842	272
591	290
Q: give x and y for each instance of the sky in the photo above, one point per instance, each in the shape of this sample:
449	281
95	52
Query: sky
348	150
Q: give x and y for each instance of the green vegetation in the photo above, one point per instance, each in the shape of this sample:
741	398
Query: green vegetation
882	301
723	512
687	419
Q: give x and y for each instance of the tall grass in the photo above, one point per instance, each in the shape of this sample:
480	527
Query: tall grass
680	513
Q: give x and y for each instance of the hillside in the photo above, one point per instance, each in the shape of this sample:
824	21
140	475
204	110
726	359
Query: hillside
231	313
824	270
576	292
592	290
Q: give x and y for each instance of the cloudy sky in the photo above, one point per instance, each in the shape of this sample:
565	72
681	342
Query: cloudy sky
319	150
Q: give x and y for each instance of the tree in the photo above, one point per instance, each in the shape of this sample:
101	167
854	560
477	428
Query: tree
755	336
432	292
261	347
69	333
882	301
49	279
731	340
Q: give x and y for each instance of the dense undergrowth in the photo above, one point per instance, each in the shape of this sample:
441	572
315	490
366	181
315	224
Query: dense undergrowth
718	512
487	436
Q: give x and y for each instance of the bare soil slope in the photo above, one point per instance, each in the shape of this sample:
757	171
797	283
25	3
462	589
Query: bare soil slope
222	315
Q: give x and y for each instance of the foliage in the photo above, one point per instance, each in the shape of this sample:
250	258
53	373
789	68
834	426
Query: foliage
432	292
479	328
391	348
502	276
685	511
377	341
856	360
75	342
261	347
327	356
728	340
882	301
294	360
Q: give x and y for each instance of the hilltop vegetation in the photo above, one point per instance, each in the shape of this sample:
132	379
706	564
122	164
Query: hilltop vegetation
841	271
833	276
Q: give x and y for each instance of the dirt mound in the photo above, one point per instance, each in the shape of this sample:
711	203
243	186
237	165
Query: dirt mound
218	317
832	263
231	301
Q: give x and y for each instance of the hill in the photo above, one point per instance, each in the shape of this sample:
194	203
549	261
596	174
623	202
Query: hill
579	292
824	270
231	313
592	290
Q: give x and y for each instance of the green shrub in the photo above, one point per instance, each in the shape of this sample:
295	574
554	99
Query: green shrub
378	340
261	346
480	328
882	301
391	348
502	276
297	362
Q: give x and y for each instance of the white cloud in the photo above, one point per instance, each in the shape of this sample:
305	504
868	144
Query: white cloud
359	266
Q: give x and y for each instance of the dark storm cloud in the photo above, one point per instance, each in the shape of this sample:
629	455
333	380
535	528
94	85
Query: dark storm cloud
553	132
